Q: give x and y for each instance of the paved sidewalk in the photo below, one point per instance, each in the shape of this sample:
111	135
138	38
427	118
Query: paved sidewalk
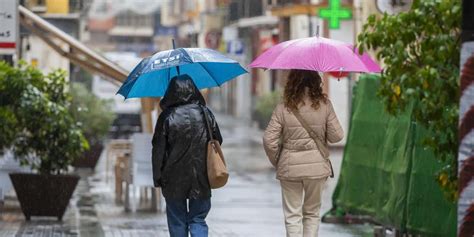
79	220
250	205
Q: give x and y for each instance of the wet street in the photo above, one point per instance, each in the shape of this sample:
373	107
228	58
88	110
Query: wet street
249	205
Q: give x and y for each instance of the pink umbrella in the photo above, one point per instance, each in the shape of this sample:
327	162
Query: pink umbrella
316	54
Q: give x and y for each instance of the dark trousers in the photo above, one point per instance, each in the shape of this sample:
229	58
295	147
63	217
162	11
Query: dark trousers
183	219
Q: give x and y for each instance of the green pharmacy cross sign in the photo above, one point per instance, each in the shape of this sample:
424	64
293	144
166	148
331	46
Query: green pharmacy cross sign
335	13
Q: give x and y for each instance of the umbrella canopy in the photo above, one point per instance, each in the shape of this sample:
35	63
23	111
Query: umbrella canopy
207	68
316	54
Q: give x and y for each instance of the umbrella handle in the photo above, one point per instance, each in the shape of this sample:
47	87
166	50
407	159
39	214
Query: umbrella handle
174	47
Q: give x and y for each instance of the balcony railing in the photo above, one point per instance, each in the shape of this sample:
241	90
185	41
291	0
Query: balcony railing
244	9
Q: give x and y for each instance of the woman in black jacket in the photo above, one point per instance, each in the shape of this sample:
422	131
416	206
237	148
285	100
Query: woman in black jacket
179	157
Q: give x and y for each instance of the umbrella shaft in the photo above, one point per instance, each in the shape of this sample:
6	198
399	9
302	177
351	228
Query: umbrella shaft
174	47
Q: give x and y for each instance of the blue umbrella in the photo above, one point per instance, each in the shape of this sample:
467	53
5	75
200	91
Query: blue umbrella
207	67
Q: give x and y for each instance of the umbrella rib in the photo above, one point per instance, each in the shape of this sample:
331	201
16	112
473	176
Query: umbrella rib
189	55
218	84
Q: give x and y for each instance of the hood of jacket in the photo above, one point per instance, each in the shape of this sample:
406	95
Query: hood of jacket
181	90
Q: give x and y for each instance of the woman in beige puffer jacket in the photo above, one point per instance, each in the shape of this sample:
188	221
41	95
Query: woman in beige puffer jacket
301	168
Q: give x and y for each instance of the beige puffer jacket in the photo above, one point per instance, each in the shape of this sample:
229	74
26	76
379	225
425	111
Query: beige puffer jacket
300	157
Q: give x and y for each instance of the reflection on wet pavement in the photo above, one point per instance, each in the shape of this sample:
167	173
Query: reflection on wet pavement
249	205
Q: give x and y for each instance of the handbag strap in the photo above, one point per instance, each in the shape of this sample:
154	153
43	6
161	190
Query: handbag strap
208	124
317	139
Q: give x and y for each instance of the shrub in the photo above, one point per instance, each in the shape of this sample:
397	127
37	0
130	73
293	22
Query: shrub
93	115
421	51
265	106
36	122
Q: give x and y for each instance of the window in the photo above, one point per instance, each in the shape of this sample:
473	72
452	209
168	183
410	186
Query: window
255	8
233	11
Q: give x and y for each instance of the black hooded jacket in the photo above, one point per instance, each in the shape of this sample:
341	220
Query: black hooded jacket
180	142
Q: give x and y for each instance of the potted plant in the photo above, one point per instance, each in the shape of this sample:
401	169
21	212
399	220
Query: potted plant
95	116
39	129
264	108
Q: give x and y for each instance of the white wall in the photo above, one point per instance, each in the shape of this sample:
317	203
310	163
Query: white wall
299	26
339	91
107	90
244	96
47	59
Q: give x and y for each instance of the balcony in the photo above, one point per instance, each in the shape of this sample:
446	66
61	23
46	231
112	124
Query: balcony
244	9
57	9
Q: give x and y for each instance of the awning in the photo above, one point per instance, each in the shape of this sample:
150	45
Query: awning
257	21
300	9
131	31
77	52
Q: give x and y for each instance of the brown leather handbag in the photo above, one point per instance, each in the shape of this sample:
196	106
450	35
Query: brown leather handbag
216	168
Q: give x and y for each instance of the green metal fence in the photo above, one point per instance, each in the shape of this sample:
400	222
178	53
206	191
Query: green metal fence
386	172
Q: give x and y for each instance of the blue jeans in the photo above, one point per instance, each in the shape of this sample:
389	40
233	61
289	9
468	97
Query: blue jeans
183	220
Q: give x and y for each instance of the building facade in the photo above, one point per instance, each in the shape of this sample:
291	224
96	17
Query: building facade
67	15
243	29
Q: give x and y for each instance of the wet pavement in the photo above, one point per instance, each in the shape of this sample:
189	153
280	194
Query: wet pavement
249	205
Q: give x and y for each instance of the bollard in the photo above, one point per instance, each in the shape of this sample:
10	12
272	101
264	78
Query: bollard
118	181
121	176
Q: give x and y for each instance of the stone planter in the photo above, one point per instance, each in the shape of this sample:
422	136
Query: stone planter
44	195
90	157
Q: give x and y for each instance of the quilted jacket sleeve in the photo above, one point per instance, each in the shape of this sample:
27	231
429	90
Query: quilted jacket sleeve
273	132
334	132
